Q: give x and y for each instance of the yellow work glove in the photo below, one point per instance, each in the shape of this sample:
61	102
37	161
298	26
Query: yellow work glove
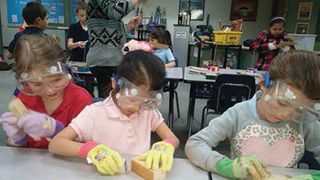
159	157
107	160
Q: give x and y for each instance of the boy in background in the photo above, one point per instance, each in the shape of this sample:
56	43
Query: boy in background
36	17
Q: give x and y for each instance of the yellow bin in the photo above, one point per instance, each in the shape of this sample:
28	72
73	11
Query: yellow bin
227	38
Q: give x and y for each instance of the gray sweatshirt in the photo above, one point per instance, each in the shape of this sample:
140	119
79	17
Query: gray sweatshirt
279	144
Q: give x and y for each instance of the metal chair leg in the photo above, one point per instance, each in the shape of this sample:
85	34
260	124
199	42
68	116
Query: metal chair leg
203	117
190	127
177	103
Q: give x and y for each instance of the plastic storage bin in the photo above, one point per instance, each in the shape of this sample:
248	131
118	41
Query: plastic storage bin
227	37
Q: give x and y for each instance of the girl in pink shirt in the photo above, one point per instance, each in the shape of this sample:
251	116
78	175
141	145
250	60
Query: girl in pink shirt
123	122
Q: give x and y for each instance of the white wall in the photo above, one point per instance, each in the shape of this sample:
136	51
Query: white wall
218	10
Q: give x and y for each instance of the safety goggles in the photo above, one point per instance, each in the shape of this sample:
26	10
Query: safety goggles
127	90
54	77
281	99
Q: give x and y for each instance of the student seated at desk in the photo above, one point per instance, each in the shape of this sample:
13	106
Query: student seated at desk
45	89
36	17
123	122
273	128
157	36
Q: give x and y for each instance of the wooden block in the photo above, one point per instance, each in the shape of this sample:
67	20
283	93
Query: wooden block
138	167
18	108
278	177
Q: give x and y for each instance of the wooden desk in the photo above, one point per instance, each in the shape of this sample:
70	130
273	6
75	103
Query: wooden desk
26	163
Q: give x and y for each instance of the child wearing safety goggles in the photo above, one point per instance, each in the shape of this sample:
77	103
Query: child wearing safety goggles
121	125
45	89
274	128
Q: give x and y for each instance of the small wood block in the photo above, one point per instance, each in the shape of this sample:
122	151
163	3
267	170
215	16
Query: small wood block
138	167
18	108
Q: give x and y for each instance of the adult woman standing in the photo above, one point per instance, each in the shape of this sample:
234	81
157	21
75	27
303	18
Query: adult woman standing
107	35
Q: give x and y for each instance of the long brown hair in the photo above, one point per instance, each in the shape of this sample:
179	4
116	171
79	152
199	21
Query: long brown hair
300	69
37	52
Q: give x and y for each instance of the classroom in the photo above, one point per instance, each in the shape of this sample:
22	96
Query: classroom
160	89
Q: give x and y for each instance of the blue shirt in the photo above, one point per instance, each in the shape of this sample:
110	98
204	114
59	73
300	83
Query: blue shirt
165	55
28	30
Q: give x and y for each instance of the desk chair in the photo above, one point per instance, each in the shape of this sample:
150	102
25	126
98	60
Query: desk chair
309	159
228	90
167	88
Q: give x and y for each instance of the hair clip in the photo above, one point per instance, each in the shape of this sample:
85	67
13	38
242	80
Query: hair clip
24	75
267	79
275	18
116	78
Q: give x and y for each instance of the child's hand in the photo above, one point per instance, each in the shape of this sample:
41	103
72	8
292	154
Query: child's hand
242	168
39	125
134	45
159	157
134	22
139	1
9	125
81	44
281	44
106	160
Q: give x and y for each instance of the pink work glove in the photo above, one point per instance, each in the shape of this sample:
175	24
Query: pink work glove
39	125
9	125
134	45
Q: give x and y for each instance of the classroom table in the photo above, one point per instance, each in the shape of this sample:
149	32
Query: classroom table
172	75
27	163
79	67
213	46
195	79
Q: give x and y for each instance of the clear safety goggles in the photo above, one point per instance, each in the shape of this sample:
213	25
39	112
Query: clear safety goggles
127	90
281	99
54	77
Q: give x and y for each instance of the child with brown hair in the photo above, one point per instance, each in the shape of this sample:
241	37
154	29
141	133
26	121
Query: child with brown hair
271	42
158	36
45	89
274	128
121	125
78	44
78	35
35	16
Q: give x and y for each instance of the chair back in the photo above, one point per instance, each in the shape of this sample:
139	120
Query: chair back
230	89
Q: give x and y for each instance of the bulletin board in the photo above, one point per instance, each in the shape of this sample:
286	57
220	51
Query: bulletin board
14	10
56	11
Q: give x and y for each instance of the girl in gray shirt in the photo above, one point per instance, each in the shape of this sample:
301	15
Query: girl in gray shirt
274	128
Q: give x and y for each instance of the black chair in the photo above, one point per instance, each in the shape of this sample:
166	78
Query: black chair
228	90
167	88
309	159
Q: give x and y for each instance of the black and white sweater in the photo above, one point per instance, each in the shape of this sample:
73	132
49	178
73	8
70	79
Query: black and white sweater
106	31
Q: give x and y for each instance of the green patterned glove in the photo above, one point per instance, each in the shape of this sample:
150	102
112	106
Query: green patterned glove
313	176
241	168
